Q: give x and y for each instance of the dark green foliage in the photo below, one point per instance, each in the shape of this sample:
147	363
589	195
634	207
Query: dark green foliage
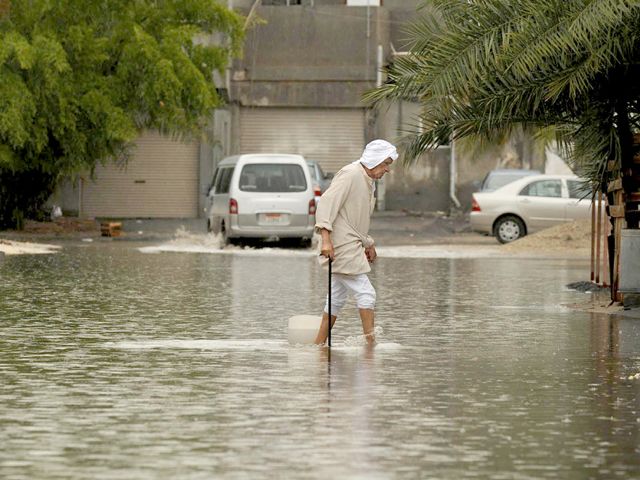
80	79
22	195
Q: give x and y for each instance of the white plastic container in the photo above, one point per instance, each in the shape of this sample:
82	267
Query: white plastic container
303	329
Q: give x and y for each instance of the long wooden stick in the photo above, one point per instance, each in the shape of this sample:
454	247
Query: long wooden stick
605	251
598	235
593	234
617	232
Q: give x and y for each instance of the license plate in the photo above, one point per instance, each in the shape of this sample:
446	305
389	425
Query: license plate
273	218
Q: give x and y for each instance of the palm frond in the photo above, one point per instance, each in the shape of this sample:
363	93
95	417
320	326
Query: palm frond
485	67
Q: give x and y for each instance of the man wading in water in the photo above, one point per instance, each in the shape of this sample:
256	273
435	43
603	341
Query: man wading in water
342	219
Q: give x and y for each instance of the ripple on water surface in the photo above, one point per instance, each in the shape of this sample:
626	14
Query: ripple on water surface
116	363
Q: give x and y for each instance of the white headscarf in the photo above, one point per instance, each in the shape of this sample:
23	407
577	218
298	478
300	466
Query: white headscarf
377	152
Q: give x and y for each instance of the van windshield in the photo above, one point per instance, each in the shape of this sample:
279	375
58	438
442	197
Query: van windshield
272	177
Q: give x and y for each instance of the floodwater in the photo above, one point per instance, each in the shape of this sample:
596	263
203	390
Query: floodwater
123	360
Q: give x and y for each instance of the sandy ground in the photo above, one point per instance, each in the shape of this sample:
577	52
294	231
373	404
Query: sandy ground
454	233
11	247
63	226
571	238
36	235
601	303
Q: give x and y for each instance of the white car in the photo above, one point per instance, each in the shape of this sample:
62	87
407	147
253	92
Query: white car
262	196
321	180
530	204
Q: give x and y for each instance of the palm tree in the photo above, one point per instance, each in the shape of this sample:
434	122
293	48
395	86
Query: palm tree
481	68
484	67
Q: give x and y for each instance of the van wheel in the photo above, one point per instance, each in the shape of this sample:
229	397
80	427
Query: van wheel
305	242
509	228
223	235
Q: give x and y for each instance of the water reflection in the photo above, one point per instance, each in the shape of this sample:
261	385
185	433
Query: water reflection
116	363
270	289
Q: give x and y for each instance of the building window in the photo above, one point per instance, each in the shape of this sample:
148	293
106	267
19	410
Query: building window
286	2
364	3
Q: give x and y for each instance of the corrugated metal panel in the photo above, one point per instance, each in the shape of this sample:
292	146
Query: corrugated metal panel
160	180
334	137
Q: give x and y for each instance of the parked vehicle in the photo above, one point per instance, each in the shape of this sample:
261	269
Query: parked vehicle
262	196
501	176
321	180
530	204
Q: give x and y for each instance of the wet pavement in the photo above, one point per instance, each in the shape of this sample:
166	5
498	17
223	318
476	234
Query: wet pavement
141	361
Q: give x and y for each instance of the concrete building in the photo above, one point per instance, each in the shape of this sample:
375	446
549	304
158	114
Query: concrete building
298	89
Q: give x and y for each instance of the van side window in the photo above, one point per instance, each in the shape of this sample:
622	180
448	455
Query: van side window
223	180
214	179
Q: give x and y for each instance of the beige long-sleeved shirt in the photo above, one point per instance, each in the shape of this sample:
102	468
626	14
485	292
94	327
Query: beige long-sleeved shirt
345	210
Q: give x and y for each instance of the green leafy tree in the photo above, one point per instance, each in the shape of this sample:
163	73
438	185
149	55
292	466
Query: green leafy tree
80	79
481	68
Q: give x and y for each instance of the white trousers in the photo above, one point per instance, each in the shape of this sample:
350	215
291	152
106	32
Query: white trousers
341	285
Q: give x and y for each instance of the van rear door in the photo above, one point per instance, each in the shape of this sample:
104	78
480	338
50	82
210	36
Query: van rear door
272	193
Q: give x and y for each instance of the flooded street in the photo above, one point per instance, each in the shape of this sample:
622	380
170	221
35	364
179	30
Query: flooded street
124	360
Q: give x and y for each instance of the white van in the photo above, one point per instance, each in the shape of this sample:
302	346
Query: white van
262	196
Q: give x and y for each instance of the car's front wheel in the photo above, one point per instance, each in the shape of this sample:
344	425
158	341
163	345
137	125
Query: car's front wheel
509	228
